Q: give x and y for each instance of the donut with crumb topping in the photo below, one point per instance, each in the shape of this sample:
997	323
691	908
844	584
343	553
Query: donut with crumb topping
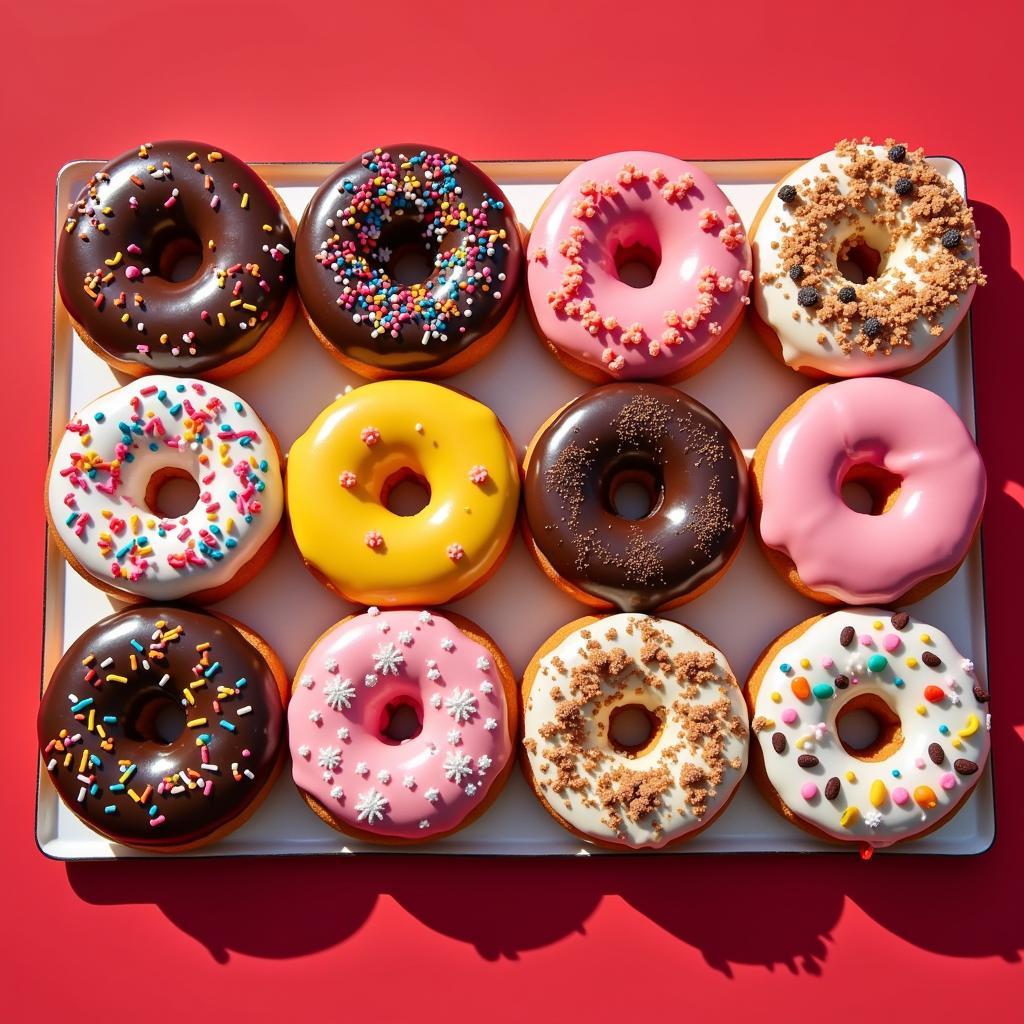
865	261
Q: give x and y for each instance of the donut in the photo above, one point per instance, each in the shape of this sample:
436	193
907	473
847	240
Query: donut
670	778
177	258
388	205
865	262
341	473
912	454
662	440
349	766
105	480
647	208
160	727
929	706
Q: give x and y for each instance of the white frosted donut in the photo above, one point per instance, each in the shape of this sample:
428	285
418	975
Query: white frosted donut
106	461
855	200
934	741
681	777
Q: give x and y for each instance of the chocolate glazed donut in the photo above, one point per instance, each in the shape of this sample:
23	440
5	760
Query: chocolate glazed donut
154	215
692	469
119	693
375	211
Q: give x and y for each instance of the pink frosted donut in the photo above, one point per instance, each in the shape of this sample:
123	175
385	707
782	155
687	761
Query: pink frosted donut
915	458
458	695
645	207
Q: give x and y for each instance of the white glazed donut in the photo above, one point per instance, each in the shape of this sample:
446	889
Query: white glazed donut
934	737
898	205
676	782
108	460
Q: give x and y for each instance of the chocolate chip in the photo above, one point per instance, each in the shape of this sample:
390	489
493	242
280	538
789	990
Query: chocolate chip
900	620
842	682
936	753
931	660
847	635
964	767
787	193
832	788
808	297
779	742
951	239
898	154
807	761
872	327
796	272
981	695
847	294
904	186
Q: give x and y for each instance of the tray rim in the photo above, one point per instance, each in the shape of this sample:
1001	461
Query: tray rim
560	166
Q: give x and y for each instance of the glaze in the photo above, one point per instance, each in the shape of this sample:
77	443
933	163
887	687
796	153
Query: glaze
901	209
419	788
616	204
905	430
97	718
683	778
104	463
386	203
126	229
932	689
697	479
340	471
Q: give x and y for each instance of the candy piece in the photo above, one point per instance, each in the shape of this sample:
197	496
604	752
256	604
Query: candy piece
924	796
823	691
779	742
934	694
800	687
899	796
808	790
849	817
936	753
878	793
832	788
948	780
807	761
971	727
965	767
877	663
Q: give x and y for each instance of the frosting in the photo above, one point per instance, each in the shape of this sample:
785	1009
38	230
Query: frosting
340	471
678	782
618	204
932	689
905	430
98	725
696	477
130	224
894	203
387	203
346	686
108	455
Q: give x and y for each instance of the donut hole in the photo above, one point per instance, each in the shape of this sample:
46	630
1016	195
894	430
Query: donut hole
175	252
153	716
401	720
858	261
405	493
633	489
637	264
868	729
171	493
403	252
634	728
869	490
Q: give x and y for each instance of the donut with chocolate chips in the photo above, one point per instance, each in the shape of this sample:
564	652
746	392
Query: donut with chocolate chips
363	233
886	255
659	443
177	258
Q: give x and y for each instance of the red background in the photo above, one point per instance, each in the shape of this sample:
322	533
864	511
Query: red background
471	939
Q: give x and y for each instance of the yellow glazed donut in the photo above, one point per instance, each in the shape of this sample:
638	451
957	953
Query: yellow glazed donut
342	469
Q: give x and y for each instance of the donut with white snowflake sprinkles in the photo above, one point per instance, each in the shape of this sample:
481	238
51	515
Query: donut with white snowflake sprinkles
907	684
105	491
401	725
355	244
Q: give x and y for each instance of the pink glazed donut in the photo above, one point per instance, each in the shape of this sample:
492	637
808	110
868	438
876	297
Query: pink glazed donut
919	466
656	210
453	692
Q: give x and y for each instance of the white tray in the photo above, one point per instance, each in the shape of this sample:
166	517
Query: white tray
523	384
